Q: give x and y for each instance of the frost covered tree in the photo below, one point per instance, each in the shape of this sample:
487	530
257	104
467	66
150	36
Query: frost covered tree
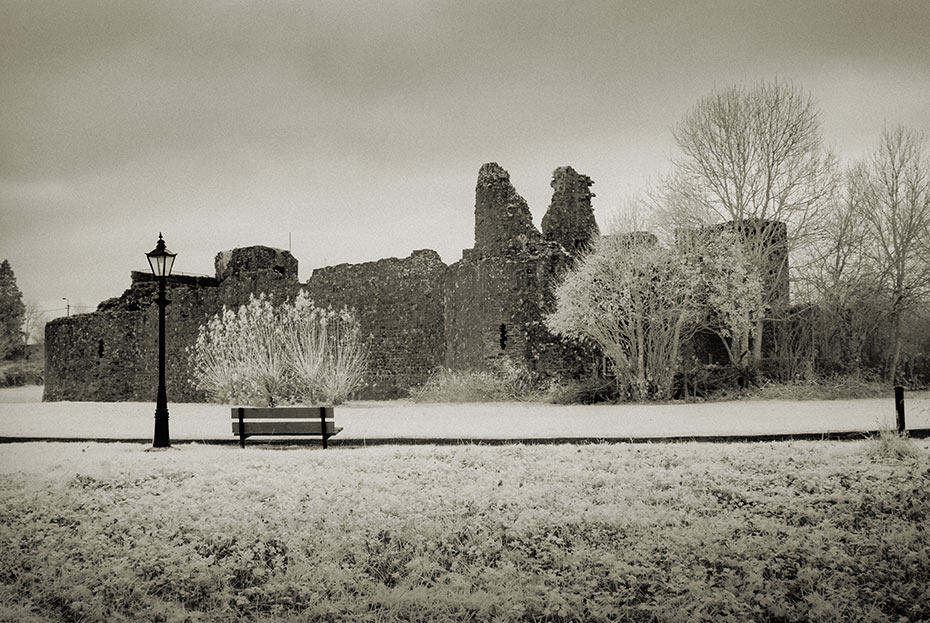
638	301
731	290
12	311
634	299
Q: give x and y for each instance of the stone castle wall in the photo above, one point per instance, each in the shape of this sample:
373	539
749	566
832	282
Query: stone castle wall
111	354
399	307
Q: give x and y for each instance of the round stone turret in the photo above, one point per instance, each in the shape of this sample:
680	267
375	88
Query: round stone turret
255	259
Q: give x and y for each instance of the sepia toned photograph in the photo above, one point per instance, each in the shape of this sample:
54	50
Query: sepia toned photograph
464	310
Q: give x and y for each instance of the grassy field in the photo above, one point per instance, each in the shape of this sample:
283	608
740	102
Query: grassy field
800	531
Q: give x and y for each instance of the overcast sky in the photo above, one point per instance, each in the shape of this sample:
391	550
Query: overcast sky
357	129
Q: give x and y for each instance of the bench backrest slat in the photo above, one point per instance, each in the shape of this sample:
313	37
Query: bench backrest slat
285	427
283	413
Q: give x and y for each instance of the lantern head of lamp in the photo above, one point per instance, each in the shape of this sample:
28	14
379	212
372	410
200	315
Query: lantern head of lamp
161	259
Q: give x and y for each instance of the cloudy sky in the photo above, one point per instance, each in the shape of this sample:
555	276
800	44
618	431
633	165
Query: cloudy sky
355	130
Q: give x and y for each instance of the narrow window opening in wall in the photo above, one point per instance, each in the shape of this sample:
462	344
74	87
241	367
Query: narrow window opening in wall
503	331
100	348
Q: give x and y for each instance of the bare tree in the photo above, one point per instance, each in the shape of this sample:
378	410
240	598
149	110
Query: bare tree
631	215
891	194
751	156
845	310
33	324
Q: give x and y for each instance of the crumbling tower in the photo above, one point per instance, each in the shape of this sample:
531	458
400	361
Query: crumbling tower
570	218
503	222
497	296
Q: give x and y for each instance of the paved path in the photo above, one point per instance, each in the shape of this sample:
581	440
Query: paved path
23	417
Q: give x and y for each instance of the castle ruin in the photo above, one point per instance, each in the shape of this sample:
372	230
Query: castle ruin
417	314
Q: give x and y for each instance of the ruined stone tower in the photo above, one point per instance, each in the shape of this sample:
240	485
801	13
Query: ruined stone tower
502	217
570	218
497	296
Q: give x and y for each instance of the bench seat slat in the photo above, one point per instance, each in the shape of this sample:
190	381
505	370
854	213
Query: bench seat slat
282	413
292	427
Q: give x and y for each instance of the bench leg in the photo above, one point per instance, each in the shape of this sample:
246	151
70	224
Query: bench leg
323	425
241	427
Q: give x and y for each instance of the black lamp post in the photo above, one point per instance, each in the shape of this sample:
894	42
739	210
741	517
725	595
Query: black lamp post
161	260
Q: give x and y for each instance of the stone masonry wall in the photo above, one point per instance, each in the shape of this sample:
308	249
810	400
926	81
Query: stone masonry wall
399	306
110	354
494	308
97	357
416	313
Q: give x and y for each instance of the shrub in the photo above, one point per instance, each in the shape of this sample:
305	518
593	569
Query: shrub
640	303
324	351
19	373
586	391
262	354
503	382
634	300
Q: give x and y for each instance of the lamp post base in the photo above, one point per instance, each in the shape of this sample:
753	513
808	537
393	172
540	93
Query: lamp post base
162	438
161	433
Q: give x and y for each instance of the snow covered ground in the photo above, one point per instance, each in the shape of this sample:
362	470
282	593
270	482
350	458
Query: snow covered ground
22	414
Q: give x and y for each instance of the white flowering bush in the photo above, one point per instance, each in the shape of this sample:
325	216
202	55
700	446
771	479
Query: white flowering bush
325	357
265	354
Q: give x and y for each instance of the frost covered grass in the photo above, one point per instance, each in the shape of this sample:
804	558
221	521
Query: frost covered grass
891	444
835	388
801	531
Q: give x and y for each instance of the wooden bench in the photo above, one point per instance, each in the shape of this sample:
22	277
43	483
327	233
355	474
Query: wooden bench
250	421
